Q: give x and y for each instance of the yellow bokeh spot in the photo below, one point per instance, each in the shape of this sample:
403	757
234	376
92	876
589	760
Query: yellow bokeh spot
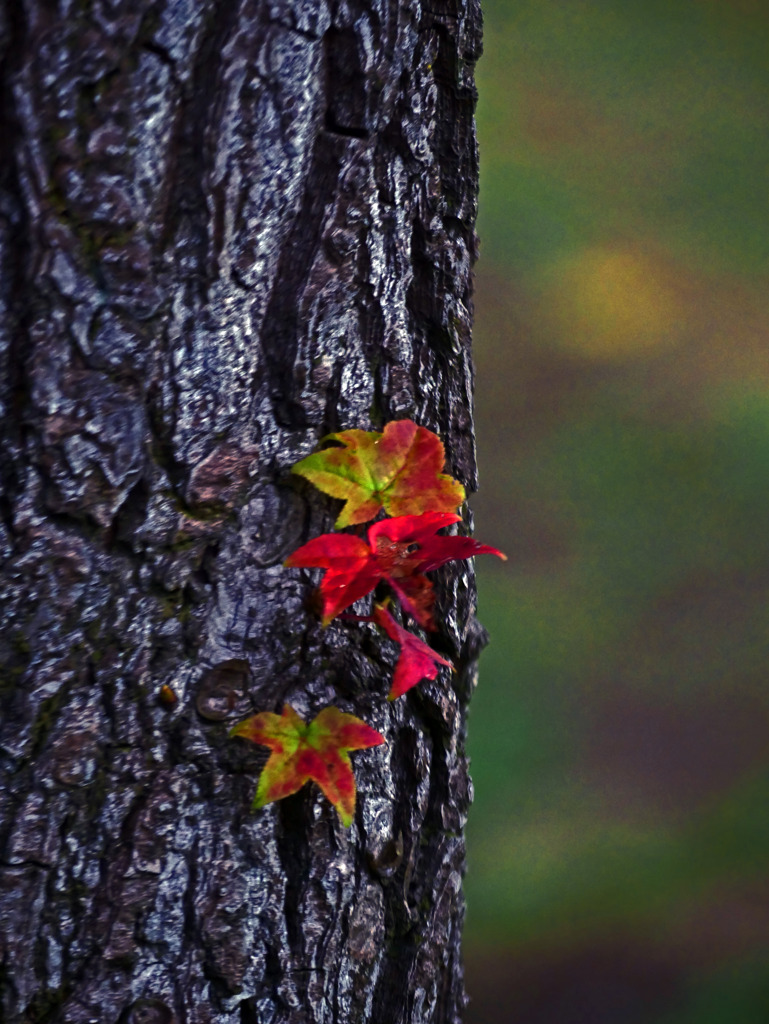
610	302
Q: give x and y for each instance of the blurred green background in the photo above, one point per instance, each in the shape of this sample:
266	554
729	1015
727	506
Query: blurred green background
619	840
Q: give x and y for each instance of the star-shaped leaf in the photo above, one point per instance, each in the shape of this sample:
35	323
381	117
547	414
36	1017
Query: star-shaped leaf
302	752
417	660
399	469
398	550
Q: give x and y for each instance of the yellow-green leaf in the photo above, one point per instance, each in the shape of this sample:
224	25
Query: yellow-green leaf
399	469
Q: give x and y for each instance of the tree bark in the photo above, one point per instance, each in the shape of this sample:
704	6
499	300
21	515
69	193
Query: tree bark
227	228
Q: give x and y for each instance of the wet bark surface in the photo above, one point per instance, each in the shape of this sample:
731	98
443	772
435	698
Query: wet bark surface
227	227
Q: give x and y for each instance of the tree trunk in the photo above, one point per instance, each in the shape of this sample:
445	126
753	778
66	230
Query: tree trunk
227	228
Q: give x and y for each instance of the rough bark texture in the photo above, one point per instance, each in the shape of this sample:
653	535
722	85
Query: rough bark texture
227	227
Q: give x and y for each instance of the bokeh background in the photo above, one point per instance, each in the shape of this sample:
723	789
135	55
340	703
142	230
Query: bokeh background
619	840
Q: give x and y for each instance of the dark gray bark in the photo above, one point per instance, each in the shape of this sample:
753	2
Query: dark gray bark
227	228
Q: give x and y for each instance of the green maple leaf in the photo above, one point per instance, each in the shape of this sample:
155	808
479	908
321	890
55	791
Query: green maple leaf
302	752
398	470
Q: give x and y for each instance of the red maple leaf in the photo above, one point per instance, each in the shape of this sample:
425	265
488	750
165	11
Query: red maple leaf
417	661
398	550
302	752
398	469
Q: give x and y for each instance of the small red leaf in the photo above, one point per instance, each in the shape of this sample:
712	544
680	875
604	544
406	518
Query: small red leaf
417	661
302	752
399	550
398	470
